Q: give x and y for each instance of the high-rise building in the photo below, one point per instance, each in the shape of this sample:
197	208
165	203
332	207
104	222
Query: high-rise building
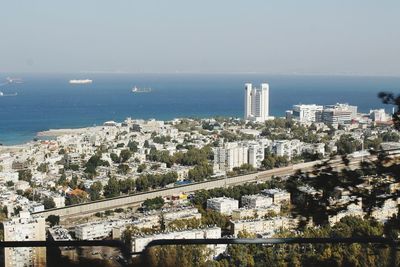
25	228
256	102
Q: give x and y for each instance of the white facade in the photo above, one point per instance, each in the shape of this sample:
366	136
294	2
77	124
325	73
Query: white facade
278	195
306	113
245	213
223	205
98	230
289	148
256	154
256	201
139	243
256	102
378	115
269	226
25	228
229	156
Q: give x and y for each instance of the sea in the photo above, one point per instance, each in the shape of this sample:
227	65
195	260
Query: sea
48	101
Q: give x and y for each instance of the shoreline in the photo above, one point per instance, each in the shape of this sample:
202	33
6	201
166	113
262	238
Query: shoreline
60	132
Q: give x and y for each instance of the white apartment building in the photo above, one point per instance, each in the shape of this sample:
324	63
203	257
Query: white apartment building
175	214
306	113
139	243
256	201
278	195
98	230
268	226
378	115
229	156
25	228
256	154
289	148
223	205
245	213
353	209
256	102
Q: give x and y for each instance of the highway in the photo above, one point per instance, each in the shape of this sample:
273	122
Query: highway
136	199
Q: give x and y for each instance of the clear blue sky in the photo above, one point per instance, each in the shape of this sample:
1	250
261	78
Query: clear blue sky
309	36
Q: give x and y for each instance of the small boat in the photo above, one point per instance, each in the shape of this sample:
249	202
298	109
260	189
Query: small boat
141	90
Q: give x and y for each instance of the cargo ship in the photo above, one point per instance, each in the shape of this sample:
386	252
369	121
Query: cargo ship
85	81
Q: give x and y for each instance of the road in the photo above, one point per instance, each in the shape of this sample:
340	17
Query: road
136	199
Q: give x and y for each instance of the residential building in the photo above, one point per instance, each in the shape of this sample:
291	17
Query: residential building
278	195
229	156
306	113
25	228
263	226
256	102
256	201
222	205
139	243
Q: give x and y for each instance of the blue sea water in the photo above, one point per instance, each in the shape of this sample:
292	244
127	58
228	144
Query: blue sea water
48	101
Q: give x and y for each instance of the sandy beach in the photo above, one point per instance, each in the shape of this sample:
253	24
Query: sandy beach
59	132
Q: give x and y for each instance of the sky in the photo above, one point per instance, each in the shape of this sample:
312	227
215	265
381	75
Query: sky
360	37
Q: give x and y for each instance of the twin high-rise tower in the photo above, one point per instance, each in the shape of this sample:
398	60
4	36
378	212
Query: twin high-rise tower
256	102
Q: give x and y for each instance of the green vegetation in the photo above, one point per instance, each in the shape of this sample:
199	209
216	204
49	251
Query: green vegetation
347	144
153	181
244	169
25	175
95	190
200	172
153	203
93	163
53	220
273	161
48	203
162	139
43	167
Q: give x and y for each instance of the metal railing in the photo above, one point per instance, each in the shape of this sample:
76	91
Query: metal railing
126	253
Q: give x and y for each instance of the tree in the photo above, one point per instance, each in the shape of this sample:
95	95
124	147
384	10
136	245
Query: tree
142	167
112	188
123	168
133	146
49	203
114	157
25	175
53	220
153	203
200	172
95	190
62	180
125	155
347	144
43	167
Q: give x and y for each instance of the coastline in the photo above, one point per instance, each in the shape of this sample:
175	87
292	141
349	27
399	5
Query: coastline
60	132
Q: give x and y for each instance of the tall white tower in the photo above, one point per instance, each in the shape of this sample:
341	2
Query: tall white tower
247	100
256	102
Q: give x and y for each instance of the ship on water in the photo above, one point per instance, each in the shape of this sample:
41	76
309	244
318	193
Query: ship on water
83	81
141	90
3	94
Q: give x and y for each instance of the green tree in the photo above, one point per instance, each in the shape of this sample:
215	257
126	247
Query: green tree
153	203
123	168
53	220
49	203
125	155
95	190
112	188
